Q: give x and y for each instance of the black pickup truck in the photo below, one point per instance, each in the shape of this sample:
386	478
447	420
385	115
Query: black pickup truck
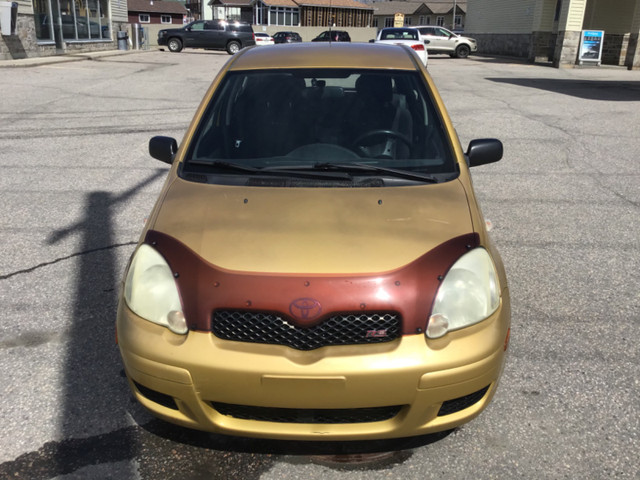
209	34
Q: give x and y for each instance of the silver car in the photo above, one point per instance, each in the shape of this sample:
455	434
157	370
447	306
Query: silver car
440	40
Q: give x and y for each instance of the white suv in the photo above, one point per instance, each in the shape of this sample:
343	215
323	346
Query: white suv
441	40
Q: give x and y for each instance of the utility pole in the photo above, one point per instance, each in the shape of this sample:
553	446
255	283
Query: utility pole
453	21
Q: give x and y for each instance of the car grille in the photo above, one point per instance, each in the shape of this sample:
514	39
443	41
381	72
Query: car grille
303	415
272	329
457	404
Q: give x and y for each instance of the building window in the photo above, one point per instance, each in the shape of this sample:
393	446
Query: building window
79	20
165	18
388	22
232	13
144	18
282	16
407	21
458	20
374	23
440	21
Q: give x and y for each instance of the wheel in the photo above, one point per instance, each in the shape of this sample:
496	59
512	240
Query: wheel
174	44
381	133
363	142
233	47
463	51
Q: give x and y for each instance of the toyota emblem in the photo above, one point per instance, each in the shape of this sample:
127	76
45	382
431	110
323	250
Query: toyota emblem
305	308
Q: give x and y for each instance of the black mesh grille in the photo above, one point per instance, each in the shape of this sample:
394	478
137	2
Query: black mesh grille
345	329
457	404
300	415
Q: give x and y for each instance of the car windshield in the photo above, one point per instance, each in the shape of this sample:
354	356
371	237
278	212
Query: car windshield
305	118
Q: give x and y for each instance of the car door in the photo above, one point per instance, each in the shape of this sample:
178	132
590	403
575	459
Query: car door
442	40
194	35
215	33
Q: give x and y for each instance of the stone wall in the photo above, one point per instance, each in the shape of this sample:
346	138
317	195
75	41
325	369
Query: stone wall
25	44
566	50
508	44
632	61
542	46
614	49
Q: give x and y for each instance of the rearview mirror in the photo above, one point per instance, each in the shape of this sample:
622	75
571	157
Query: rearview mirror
163	148
484	150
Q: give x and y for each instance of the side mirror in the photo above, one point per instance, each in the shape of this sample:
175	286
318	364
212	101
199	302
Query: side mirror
484	150
163	148
372	41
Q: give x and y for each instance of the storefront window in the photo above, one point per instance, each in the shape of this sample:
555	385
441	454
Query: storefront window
76	20
42	19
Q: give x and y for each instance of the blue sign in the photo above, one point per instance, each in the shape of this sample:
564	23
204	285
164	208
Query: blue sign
591	46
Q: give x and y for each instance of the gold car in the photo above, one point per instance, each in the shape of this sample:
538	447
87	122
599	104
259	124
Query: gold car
316	266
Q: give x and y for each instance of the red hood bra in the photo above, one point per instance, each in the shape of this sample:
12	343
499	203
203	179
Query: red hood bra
305	300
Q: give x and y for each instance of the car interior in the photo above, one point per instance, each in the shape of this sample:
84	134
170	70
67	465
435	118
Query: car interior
297	116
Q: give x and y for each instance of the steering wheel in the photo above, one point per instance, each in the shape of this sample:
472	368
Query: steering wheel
359	142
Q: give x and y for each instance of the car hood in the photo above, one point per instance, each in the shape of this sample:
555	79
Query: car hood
312	230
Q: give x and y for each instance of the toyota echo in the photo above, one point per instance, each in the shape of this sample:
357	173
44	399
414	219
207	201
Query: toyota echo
316	266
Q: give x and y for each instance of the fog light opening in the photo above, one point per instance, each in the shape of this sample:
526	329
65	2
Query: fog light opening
438	326
176	322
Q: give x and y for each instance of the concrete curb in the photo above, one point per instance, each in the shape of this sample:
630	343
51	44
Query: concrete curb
72	57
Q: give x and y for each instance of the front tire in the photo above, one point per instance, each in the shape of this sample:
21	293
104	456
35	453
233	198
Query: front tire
233	47
463	51
174	44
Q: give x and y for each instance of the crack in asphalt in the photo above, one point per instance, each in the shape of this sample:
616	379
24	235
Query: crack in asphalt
62	259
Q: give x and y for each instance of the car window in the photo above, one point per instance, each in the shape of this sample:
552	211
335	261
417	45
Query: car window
399	35
197	26
286	118
212	26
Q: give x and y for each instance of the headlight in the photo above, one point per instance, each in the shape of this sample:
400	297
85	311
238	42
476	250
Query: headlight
151	291
468	294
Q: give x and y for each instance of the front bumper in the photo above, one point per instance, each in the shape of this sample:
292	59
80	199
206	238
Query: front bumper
256	390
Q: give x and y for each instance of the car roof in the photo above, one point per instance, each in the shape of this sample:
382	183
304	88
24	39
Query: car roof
325	55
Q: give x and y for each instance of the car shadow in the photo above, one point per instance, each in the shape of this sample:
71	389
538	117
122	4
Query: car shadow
604	90
202	451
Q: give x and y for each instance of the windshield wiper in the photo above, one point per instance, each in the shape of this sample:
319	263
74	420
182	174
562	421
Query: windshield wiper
363	167
224	165
230	166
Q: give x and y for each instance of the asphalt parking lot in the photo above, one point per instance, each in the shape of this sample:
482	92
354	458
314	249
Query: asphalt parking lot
564	203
